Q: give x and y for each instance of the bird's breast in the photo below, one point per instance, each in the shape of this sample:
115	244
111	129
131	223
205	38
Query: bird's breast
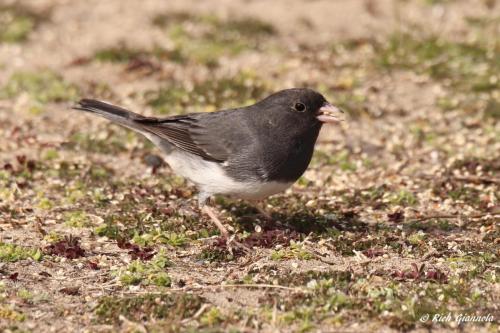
212	178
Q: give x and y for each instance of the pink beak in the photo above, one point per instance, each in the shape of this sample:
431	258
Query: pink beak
330	114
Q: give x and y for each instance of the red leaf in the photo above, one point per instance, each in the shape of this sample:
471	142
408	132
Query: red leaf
372	253
418	273
70	291
69	247
21	159
396	216
92	265
270	238
135	251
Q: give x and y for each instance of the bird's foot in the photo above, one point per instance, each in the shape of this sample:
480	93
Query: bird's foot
234	245
230	240
270	222
263	212
213	217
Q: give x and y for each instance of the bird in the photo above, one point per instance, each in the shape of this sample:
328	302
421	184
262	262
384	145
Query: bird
248	153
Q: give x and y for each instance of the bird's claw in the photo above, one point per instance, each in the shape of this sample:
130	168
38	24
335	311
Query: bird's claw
232	243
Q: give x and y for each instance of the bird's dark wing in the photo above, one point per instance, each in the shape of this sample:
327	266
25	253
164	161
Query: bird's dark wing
213	136
208	135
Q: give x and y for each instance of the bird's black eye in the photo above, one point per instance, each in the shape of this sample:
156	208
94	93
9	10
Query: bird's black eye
299	107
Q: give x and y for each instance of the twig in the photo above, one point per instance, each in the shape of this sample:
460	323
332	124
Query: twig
471	179
275	286
429	254
332	141
85	277
477	179
197	314
319	256
360	255
264	286
403	165
137	327
448	216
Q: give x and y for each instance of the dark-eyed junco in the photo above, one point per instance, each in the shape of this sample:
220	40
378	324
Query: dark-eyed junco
248	153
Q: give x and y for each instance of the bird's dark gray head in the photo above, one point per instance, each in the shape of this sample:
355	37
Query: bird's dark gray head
302	103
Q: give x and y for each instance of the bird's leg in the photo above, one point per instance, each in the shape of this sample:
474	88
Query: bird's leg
259	206
210	212
269	220
203	202
230	240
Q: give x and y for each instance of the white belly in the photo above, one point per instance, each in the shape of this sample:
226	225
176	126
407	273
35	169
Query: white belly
211	178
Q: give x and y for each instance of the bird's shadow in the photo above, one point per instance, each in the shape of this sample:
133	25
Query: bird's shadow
305	221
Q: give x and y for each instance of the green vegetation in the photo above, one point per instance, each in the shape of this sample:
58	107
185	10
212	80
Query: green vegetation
242	89
340	297
16	23
44	86
403	198
160	237
9	314
147	273
246	27
77	219
343	160
295	251
13	253
125	54
212	317
470	69
172	306
25	295
468	66
212	37
115	141
117	54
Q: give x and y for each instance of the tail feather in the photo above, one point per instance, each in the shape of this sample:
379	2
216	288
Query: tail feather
111	112
95	106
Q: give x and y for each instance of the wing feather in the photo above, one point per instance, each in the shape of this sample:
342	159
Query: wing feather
184	133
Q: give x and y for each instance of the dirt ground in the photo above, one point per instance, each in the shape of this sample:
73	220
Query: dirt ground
394	226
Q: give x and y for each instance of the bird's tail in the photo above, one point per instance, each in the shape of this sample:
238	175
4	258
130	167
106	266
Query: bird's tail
111	112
